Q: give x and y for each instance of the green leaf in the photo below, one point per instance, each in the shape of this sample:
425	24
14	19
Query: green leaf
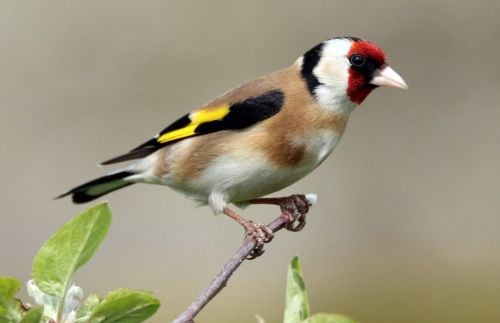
9	287
296	304
33	316
125	306
85	311
329	318
10	308
69	248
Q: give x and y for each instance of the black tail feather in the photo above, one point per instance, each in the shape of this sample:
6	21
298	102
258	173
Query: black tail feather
143	150
98	187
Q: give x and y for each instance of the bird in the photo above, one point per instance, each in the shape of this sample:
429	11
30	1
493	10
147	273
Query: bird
259	137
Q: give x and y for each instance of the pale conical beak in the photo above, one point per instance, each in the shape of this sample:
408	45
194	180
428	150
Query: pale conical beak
388	77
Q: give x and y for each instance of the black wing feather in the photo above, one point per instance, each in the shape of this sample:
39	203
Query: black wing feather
241	115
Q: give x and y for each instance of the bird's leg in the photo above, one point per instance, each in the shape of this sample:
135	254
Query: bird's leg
259	232
293	207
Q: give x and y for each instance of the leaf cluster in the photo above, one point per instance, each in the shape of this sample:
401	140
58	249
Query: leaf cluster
53	269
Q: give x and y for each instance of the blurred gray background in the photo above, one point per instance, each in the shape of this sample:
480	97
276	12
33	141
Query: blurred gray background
407	226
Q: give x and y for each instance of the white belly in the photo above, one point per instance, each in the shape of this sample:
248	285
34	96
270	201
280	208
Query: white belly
242	176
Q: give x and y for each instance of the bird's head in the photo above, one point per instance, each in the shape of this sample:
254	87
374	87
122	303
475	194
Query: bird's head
346	69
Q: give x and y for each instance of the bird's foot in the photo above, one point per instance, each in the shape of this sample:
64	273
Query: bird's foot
261	234
294	209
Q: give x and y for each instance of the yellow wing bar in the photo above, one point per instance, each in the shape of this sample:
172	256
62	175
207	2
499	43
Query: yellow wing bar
210	114
197	118
177	134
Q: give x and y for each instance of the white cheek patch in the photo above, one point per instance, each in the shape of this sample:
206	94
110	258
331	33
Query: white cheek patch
332	72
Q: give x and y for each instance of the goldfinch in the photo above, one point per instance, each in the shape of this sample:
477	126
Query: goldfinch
257	138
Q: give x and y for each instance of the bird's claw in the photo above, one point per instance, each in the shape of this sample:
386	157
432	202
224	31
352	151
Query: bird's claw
294	208
261	234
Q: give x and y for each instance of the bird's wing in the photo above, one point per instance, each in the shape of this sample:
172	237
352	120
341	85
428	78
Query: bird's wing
229	112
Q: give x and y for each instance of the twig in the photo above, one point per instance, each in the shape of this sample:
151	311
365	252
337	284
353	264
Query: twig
229	268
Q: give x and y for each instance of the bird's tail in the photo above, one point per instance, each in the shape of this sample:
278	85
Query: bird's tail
98	187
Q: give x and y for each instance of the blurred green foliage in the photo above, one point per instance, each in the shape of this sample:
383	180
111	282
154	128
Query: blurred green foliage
53	269
297	305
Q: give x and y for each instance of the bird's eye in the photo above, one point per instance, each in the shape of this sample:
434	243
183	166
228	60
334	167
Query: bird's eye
357	60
